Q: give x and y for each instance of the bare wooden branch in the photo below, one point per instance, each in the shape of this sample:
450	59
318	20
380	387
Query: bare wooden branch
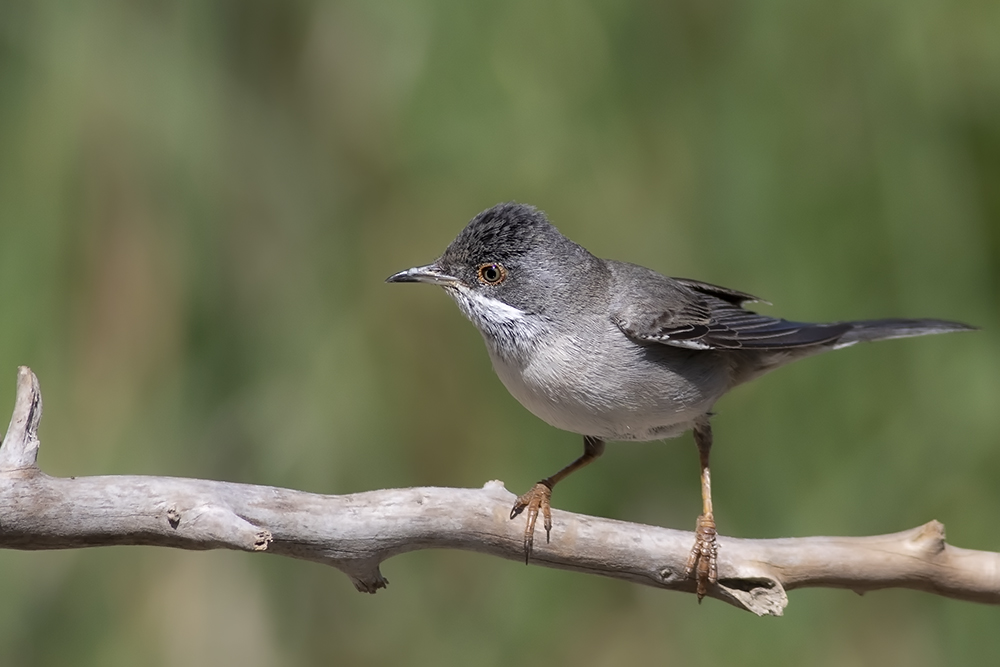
355	533
19	450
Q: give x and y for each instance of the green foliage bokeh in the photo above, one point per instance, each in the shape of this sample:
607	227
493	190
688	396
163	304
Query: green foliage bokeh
199	202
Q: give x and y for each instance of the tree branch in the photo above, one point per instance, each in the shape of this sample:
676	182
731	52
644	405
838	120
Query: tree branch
355	533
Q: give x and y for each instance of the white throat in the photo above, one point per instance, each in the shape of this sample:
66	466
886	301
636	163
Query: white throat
510	333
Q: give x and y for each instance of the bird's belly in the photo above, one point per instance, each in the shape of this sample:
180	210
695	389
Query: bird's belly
618	391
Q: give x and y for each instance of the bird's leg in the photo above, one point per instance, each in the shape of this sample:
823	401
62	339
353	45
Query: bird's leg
537	499
702	561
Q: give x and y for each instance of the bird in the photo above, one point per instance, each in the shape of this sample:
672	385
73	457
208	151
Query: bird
614	351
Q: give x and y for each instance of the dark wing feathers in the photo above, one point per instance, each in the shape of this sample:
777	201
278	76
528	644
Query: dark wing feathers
691	314
737	328
730	295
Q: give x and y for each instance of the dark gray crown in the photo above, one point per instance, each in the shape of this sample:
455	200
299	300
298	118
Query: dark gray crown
499	234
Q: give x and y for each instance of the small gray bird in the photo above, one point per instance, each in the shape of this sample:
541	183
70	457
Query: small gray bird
615	351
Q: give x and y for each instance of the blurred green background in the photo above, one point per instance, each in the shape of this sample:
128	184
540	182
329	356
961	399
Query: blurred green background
199	202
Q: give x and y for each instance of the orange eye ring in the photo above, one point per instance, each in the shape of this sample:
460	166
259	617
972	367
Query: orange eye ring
492	274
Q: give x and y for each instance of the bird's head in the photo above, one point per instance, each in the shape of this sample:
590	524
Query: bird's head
507	264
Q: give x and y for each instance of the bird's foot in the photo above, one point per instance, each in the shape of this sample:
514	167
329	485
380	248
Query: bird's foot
536	500
702	561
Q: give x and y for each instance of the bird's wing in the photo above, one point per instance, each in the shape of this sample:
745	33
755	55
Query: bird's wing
732	296
686	313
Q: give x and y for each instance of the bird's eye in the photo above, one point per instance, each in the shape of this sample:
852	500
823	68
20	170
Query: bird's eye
492	274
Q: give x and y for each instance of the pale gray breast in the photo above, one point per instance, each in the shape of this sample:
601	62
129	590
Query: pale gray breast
593	380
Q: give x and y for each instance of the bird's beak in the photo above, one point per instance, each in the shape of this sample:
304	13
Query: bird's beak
431	273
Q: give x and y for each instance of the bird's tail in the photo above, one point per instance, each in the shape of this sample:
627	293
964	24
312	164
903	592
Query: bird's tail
869	330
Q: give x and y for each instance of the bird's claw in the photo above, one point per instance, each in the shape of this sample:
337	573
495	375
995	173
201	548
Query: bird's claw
702	561
536	500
